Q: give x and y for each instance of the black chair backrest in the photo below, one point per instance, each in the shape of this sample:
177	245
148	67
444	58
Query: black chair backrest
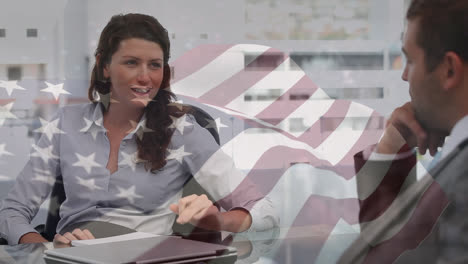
191	187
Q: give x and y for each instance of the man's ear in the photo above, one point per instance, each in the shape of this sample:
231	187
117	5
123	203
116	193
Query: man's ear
452	71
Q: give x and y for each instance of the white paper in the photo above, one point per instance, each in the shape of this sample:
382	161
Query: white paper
130	236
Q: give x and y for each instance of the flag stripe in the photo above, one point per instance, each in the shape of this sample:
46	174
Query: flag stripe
421	223
272	86
282	107
195	59
382	197
266	178
314	136
318	211
255	148
234	86
320	107
337	143
210	75
371	133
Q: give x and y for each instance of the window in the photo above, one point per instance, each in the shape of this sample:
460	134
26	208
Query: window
14	73
297	125
264	62
262	95
330	124
338	61
301	95
265	130
31	32
2	32
355	93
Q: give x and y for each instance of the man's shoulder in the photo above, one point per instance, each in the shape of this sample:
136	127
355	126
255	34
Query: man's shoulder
452	171
455	159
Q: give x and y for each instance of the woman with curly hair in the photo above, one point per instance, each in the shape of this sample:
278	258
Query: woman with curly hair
126	156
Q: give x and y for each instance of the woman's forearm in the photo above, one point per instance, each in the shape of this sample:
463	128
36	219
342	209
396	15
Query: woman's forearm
32	238
237	220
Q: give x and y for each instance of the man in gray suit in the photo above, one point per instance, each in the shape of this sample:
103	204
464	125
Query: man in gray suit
426	220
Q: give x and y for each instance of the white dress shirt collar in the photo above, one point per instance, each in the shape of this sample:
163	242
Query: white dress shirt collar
458	134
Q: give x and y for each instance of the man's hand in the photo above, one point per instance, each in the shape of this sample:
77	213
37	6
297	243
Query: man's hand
32	238
68	237
402	127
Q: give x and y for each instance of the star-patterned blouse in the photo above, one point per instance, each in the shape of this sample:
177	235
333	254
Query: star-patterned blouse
75	145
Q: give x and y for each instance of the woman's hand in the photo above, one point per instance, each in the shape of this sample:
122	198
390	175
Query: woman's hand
199	211
68	237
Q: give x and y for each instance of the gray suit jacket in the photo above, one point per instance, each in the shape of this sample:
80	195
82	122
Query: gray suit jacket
432	211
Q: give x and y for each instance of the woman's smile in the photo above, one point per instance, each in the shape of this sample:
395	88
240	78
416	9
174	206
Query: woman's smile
140	90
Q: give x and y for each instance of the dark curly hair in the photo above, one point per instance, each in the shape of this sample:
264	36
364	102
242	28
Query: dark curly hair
152	146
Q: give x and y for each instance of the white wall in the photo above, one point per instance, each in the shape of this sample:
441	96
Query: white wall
46	16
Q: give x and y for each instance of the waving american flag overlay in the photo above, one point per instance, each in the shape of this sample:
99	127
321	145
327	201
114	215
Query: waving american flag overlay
308	171
289	137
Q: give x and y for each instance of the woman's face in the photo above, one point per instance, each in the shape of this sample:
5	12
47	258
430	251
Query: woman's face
136	72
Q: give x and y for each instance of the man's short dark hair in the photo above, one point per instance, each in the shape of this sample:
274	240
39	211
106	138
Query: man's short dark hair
443	27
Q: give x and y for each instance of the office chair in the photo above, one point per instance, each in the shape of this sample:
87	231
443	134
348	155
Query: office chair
48	230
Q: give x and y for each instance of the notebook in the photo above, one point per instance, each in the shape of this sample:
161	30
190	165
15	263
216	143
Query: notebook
129	236
163	249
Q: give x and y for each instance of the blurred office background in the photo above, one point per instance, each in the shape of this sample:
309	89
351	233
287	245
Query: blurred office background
349	48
